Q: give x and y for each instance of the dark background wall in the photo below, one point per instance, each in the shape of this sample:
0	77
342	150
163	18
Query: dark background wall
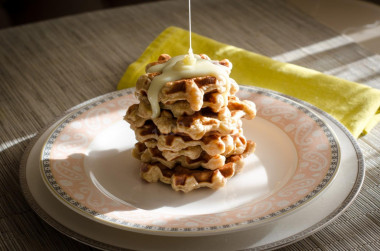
16	12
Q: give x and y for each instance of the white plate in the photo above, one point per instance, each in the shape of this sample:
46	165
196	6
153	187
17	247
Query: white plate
303	222
87	164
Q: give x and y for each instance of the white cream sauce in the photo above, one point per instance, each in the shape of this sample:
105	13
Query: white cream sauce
182	67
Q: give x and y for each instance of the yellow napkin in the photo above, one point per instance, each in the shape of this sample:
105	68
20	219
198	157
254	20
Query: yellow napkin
356	106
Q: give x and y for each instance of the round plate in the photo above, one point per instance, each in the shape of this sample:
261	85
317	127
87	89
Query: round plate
87	164
290	228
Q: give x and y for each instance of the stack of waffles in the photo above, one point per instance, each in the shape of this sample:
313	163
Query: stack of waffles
197	140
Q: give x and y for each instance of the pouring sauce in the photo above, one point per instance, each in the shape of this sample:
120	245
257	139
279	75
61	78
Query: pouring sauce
182	67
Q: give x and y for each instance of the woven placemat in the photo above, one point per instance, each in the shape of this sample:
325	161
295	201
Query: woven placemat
48	67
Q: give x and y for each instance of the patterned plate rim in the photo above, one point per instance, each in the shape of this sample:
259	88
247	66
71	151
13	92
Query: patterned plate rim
59	193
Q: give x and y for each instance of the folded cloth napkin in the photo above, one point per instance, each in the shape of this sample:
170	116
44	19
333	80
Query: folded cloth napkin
356	106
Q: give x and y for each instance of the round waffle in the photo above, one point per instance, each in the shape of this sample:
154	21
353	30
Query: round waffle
194	90
212	143
226	121
191	90
190	157
186	180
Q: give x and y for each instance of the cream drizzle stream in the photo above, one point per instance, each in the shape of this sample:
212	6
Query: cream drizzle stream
180	67
190	59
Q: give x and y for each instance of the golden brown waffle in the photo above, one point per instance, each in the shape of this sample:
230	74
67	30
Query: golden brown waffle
161	59
214	100
190	90
186	180
226	121
190	157
153	155
193	90
212	143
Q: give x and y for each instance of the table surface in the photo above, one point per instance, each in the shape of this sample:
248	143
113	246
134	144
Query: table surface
48	67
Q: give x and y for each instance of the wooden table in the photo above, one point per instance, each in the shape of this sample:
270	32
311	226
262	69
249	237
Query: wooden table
48	67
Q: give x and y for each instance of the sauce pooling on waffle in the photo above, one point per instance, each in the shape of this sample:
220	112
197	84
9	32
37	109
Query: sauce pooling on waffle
180	67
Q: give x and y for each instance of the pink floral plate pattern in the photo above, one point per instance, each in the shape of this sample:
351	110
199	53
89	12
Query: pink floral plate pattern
86	164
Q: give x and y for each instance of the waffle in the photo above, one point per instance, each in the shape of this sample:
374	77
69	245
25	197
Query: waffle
186	180
196	138
153	155
190	157
195	92
212	144
214	100
226	121
161	59
192	90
